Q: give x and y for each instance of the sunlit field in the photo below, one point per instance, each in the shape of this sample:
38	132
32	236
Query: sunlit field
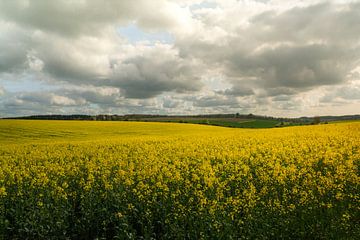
131	180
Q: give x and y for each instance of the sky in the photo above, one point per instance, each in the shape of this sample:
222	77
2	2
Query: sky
266	57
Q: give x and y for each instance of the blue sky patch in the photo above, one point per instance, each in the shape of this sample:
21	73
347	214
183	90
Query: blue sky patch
135	34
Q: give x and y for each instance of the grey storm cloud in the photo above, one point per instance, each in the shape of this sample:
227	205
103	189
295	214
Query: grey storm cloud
295	66
156	72
342	93
96	97
13	48
237	90
170	104
215	101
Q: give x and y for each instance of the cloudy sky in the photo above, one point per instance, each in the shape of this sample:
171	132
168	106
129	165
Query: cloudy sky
271	57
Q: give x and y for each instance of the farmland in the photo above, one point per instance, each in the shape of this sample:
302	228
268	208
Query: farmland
131	180
223	122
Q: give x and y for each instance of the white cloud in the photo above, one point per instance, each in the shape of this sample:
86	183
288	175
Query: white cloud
73	18
61	100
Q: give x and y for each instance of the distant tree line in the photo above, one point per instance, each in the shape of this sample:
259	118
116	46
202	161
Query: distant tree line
149	117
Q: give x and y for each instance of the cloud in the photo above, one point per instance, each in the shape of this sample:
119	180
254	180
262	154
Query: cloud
158	69
65	100
238	91
169	103
307	23
13	47
101	96
88	17
215	100
49	99
228	55
140	70
2	90
76	99
348	93
84	59
297	67
291	49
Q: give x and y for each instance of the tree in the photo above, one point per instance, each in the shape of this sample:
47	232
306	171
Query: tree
316	120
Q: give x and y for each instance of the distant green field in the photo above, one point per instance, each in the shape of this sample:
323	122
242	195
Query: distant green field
240	124
234	123
222	123
259	124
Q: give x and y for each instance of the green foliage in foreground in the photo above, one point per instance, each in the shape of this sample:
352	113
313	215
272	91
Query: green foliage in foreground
86	180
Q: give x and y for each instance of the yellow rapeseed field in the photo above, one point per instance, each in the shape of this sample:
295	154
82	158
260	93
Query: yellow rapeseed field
130	180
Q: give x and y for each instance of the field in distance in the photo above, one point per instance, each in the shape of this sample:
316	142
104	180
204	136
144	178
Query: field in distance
131	180
223	122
